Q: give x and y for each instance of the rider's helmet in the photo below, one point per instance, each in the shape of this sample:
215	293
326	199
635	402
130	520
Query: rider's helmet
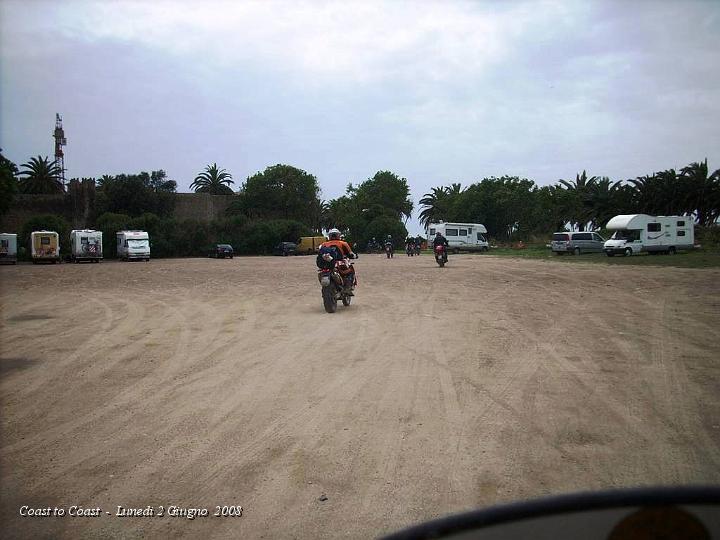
389	237
334	234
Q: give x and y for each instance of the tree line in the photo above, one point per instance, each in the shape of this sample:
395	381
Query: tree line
512	207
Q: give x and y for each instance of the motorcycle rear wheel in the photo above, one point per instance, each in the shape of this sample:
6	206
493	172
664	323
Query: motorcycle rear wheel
346	300
440	262
329	300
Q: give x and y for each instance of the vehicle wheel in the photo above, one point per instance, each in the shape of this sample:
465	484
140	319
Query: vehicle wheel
671	251
329	300
231	256
576	251
628	252
556	253
346	300
441	263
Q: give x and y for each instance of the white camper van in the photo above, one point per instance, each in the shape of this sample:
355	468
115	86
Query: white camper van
86	245
461	236
45	246
635	233
8	248
133	245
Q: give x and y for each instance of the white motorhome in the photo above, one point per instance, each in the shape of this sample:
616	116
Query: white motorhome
460	236
133	245
86	245
635	233
8	248
45	246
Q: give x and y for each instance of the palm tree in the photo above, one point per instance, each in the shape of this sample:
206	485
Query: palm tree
213	180
703	192
41	176
439	204
581	191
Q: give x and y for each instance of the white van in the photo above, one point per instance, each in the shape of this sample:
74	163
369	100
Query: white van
460	236
8	248
86	245
133	245
45	246
635	233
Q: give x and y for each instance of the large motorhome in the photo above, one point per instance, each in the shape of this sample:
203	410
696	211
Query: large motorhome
635	233
460	236
86	245
45	246
133	245
8	248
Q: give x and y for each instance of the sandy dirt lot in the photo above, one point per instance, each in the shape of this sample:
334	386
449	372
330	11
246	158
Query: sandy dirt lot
202	383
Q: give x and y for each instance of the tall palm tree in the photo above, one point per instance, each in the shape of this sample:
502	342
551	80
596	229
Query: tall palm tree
703	192
213	180
439	204
581	191
41	176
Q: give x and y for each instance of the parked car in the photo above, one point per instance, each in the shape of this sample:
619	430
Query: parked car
220	251
576	243
285	249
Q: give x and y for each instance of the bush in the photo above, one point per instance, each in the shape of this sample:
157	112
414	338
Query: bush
48	222
261	237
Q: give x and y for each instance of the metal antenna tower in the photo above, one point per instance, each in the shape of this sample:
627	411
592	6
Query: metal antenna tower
60	141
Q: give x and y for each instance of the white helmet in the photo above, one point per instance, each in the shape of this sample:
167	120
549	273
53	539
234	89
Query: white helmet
334	234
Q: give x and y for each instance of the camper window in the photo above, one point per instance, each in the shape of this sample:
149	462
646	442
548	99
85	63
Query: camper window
432	232
680	223
654	227
628	235
451	232
45	241
681	233
480	237
463	232
137	243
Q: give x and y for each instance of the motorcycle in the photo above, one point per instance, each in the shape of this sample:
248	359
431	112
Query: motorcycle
389	251
410	250
440	255
337	279
417	249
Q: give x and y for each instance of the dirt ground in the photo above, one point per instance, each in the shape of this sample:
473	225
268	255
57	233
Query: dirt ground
201	383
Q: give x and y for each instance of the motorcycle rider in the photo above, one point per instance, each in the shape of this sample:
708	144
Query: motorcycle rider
336	241
389	243
410	246
440	240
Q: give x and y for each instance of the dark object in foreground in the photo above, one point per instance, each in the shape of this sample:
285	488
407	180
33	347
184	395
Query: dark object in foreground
221	251
636	513
285	249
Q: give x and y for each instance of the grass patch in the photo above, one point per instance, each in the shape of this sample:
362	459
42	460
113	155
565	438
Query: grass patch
699	258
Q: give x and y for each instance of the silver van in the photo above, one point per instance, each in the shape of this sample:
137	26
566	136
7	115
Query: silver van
576	243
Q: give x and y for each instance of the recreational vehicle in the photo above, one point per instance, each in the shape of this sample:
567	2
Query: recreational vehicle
45	246
133	245
8	248
635	233
461	236
86	245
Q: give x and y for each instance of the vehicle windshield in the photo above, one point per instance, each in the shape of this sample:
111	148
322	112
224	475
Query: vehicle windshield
625	234
559	237
138	244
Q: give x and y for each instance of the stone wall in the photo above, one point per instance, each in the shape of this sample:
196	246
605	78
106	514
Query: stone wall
77	206
201	206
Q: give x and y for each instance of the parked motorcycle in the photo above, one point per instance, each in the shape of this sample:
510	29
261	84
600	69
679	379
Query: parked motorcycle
337	279
410	250
441	255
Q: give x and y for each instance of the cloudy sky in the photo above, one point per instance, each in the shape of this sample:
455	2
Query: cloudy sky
436	92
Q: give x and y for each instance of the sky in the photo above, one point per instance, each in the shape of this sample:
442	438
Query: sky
436	92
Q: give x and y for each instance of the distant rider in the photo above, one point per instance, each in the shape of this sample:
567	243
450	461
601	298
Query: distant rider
410	246
389	243
440	240
336	241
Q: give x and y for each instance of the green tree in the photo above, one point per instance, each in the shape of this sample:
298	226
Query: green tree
213	180
384	190
8	183
137	194
439	204
580	191
41	176
280	192
702	193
